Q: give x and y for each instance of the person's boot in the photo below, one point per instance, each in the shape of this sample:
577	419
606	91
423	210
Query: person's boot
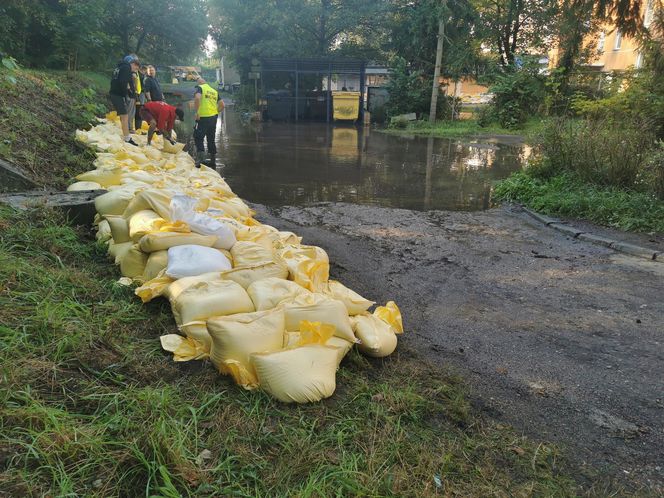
200	158
211	161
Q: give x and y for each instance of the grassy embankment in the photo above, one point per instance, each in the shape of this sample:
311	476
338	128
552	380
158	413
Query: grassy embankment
91	406
38	117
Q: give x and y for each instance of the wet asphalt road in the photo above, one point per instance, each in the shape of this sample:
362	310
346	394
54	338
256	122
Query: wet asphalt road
560	338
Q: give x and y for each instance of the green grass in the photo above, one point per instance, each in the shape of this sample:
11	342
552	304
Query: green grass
567	196
466	127
38	117
91	406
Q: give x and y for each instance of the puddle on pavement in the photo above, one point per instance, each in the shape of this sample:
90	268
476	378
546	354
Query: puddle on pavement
278	164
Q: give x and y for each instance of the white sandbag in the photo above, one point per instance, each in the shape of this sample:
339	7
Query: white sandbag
182	209
302	375
269	292
78	186
236	337
207	299
192	260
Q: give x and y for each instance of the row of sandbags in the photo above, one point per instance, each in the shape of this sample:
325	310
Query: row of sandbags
252	299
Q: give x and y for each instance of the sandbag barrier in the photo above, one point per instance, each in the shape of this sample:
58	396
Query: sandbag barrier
253	300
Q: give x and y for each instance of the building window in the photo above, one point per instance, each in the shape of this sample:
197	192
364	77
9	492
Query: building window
600	43
618	43
650	11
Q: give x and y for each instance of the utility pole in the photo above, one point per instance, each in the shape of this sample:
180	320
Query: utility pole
436	71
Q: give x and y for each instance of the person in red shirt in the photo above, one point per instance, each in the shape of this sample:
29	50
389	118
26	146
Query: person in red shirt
161	116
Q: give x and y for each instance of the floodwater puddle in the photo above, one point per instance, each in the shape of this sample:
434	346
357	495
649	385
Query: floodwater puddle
278	164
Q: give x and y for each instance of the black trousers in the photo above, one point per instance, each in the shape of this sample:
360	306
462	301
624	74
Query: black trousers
206	128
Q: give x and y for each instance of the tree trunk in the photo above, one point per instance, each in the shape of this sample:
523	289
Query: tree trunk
436	72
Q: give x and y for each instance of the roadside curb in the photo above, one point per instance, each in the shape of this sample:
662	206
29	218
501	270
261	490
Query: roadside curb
616	245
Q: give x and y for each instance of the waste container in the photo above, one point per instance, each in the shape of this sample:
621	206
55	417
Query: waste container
279	105
346	105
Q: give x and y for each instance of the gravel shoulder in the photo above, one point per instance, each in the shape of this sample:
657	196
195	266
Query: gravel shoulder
560	338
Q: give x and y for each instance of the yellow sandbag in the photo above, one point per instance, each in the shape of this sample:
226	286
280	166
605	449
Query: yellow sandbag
119	228
159	241
289	238
354	303
156	200
78	186
250	254
103	231
176	287
207	299
263	235
104	177
154	288
113	116
318	308
390	314
142	223
153	153
139	176
269	292
302	375
183	348
133	263
198	331
157	261
232	206
308	266
245	275
172	149
377	338
118	251
113	202
294	339
236	337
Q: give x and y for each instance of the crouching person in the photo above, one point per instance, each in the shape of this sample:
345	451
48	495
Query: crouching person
161	117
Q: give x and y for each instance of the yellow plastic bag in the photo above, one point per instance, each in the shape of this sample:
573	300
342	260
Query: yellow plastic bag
390	314
133	263
160	241
303	374
318	308
354	303
104	177
308	266
183	348
142	223
377	338
157	261
207	299
250	254
269	292
246	275
236	337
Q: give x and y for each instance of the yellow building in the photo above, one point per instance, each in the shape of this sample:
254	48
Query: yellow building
614	52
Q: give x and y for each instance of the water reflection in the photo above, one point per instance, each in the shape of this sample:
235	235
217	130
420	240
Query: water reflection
287	163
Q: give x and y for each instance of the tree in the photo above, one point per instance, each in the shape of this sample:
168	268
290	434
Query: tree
511	27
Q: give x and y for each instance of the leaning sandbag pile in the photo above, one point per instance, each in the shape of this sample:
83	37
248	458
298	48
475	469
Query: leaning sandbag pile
252	299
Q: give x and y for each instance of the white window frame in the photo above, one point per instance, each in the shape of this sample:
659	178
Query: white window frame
618	41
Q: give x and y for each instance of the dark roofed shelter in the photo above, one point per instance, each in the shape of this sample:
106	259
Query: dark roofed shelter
294	87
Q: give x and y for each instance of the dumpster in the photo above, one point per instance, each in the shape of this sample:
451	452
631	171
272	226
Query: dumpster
346	105
279	105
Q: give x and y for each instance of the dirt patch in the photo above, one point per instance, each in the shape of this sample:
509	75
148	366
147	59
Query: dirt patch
560	338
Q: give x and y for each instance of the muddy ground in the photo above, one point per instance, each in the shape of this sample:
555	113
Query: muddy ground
562	339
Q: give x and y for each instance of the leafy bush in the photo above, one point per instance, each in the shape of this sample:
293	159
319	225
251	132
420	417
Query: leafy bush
653	173
518	95
598	152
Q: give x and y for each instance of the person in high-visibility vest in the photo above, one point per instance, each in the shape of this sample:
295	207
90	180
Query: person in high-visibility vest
208	105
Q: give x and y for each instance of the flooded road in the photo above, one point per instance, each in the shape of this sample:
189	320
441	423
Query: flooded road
280	164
